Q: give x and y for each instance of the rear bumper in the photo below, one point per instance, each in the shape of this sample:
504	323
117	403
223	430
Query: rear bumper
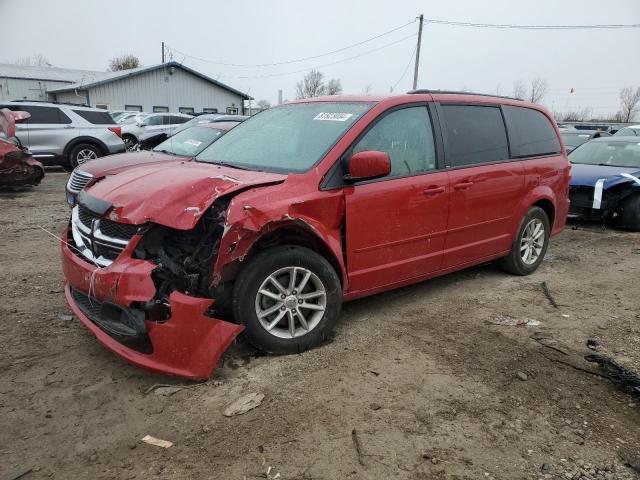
189	344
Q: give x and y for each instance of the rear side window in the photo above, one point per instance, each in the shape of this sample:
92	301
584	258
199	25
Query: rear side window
474	134
42	115
530	132
96	118
155	120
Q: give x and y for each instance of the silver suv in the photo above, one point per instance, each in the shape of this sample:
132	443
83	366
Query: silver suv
66	134
147	124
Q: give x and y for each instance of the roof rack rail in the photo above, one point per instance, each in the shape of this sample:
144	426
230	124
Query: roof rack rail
50	101
453	92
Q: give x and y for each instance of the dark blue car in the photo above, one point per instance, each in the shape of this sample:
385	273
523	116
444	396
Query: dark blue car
605	181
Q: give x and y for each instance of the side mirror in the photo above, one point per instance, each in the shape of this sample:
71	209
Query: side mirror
142	124
367	165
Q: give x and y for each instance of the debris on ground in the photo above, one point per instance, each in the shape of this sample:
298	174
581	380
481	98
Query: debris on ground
593	344
506	320
549	342
243	404
19	473
547	293
356	443
65	317
622	377
167	390
522	376
156	441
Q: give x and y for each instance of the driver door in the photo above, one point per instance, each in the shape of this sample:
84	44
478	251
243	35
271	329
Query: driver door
396	226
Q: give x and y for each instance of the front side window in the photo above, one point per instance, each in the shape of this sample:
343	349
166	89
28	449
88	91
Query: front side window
288	138
530	132
189	142
474	134
406	135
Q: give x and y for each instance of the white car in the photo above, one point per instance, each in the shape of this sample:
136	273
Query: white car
629	131
143	124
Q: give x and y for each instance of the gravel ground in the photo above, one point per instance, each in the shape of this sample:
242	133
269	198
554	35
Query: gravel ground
431	385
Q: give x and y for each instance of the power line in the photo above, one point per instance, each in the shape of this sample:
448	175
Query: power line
297	60
530	27
406	69
413	35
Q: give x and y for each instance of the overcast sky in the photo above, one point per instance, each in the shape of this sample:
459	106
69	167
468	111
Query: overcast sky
85	34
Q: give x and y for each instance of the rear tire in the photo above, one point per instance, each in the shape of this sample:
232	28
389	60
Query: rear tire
83	153
630	213
530	245
285	316
130	142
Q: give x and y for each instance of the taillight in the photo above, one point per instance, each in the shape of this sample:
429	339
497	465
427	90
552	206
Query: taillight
116	130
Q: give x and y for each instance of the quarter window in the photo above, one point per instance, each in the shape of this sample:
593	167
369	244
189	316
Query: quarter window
42	115
407	136
474	134
96	118
530	132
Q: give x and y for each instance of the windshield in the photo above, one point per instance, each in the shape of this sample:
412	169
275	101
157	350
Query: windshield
189	142
627	131
574	139
617	154
289	138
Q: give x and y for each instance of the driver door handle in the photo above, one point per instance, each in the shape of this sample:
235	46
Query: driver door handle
462	185
433	190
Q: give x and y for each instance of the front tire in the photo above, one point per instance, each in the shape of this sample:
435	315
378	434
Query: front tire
530	244
288	298
630	213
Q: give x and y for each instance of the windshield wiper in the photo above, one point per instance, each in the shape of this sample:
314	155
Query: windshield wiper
233	165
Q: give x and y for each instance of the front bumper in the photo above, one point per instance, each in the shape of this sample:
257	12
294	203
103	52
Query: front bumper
189	344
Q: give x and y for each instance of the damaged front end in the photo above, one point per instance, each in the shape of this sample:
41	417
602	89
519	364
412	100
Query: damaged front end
145	291
17	167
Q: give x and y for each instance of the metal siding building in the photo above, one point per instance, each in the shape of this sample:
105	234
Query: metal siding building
165	87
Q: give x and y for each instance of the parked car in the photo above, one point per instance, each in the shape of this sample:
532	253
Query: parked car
183	146
118	114
66	134
17	166
302	207
630	131
128	117
573	138
152	122
605	181
149	140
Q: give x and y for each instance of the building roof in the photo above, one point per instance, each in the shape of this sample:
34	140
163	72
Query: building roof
100	78
45	73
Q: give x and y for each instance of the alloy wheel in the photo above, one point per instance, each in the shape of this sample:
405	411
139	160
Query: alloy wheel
532	241
291	302
85	155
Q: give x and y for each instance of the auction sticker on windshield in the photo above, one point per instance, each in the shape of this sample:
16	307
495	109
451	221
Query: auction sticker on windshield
192	142
333	117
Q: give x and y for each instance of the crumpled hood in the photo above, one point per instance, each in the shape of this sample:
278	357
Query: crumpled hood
174	194
588	175
112	164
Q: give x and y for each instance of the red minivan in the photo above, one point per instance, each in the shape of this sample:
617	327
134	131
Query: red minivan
302	207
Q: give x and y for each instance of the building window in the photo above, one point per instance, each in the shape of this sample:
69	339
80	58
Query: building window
133	108
103	106
189	110
232	110
209	110
157	109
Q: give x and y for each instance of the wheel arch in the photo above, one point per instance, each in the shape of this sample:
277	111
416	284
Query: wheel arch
90	140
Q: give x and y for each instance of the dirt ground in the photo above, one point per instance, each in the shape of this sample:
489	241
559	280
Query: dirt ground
427	382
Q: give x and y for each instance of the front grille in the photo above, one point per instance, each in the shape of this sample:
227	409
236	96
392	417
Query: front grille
98	239
89	306
581	196
78	180
108	227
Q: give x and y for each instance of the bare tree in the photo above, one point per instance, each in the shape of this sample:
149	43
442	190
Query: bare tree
629	103
334	87
539	88
124	62
36	60
367	90
519	90
312	85
263	104
583	115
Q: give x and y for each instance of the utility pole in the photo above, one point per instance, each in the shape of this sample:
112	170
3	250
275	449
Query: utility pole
415	70
163	53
